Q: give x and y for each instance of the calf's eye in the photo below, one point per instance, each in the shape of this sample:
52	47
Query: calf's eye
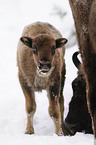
53	50
34	49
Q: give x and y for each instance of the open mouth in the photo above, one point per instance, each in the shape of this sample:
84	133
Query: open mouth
43	71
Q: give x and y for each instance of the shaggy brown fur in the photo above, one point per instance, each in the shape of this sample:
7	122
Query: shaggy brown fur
41	65
84	13
78	118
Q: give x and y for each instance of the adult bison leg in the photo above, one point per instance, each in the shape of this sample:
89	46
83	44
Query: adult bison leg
91	98
92	77
30	105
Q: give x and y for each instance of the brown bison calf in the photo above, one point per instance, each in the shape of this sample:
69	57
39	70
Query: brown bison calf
40	57
84	13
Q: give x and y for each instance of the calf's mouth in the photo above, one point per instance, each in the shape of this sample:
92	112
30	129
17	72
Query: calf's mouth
44	67
43	70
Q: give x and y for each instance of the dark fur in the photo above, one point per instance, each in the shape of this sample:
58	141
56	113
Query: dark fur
78	118
41	65
84	14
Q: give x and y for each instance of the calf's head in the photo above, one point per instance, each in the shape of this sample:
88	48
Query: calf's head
43	47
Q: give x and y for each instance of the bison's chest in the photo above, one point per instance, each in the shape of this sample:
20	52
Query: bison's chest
41	82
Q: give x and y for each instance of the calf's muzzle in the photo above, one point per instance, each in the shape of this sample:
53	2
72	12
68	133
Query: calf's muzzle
44	66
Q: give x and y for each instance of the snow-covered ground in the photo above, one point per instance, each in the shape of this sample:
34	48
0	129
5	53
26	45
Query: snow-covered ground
14	15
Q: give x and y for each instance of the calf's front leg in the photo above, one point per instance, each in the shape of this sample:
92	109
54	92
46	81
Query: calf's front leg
54	109
30	105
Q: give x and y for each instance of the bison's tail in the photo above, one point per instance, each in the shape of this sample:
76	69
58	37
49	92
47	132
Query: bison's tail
75	59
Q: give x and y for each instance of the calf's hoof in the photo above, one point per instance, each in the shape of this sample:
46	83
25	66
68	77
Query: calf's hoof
29	131
60	132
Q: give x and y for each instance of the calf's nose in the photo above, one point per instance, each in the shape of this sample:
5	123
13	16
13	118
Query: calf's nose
44	65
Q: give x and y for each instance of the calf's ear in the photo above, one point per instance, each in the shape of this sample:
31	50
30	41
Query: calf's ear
27	41
60	42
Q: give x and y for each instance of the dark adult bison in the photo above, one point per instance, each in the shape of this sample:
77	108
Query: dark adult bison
78	118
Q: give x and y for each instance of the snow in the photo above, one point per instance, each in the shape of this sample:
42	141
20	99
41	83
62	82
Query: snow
14	15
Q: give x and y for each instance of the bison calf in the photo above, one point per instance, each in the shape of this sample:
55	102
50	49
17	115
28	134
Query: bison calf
40	58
